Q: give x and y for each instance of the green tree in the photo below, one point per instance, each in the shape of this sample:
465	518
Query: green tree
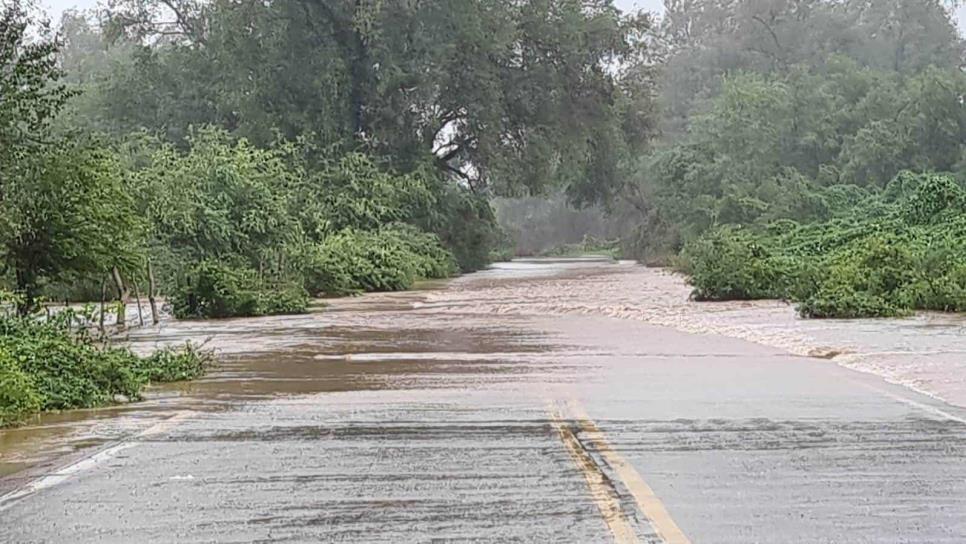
508	95
69	217
30	92
63	208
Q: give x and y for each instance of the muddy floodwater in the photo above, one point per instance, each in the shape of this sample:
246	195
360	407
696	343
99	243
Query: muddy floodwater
543	400
361	342
926	352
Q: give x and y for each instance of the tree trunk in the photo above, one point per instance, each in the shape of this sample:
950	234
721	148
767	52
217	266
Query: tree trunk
26	286
151	300
103	298
356	55
122	296
137	297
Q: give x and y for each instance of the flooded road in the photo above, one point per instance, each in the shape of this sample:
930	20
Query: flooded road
564	402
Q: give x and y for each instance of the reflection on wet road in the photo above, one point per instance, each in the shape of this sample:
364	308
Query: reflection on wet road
464	413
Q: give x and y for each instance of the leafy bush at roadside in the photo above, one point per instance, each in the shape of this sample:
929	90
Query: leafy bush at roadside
730	264
216	290
44	366
18	396
390	259
897	252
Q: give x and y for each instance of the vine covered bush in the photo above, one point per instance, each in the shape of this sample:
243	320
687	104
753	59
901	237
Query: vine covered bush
900	250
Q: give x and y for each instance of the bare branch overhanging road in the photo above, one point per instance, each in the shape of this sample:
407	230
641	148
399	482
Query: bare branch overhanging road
384	420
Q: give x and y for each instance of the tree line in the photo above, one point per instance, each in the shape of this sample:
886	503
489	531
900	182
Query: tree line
794	136
255	153
250	154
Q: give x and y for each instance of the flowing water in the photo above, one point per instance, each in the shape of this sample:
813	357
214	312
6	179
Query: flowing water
926	352
359	344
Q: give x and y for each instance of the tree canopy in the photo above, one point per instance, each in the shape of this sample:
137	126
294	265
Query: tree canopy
509	95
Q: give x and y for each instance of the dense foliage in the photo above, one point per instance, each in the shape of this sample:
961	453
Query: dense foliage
506	94
390	259
785	127
897	250
254	153
249	155
45	366
588	247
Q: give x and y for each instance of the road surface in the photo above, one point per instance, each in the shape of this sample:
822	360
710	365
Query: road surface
407	418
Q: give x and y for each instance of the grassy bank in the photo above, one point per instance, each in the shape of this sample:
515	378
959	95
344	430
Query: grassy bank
883	254
44	366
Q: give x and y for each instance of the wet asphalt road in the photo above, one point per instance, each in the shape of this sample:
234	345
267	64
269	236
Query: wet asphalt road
387	420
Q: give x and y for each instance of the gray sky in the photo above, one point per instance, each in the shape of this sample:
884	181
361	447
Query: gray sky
58	6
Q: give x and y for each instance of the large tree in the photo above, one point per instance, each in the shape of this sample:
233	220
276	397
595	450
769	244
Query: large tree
30	94
63	210
507	94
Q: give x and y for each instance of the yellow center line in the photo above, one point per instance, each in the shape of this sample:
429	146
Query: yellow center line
648	502
601	493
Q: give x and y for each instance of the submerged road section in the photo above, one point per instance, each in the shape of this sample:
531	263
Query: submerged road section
474	412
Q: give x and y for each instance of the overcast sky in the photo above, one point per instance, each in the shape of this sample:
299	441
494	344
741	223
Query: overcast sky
58	6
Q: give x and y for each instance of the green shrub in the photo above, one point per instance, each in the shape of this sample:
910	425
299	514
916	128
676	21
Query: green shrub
840	302
729	264
903	251
934	195
173	365
287	299
44	366
466	225
18	397
68	371
390	259
428	257
216	290
942	291
588	246
356	261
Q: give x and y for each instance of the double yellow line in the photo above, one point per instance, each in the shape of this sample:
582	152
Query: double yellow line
563	415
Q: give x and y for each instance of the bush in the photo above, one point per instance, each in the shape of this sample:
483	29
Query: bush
68	371
902	251
215	290
174	365
429	259
840	302
387	260
729	264
44	367
466	226
18	397
287	299
588	246
934	195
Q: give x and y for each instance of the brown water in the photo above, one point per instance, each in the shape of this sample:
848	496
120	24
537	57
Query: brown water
361	339
926	352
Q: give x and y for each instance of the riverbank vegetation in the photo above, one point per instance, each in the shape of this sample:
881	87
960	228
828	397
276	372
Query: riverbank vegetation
237	158
58	365
887	253
809	151
587	247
